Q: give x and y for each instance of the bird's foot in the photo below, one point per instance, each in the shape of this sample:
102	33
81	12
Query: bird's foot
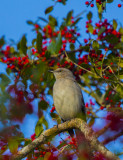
56	126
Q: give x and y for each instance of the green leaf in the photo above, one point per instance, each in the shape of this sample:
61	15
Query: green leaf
89	15
49	9
43	105
30	23
58	43
114	24
43	19
52	21
51	47
121	38
13	145
110	1
47	54
55	47
121	76
2	41
90	28
101	31
112	39
4	80
47	156
121	30
72	47
95	45
68	19
54	115
40	158
76	21
23	45
39	42
38	127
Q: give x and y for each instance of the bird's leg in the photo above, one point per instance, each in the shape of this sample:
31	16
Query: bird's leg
55	125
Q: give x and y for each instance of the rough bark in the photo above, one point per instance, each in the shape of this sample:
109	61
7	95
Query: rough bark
74	123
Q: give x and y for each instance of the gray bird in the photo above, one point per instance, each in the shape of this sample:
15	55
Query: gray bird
67	96
69	104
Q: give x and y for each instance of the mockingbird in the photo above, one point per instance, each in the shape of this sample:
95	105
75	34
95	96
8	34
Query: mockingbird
69	103
67	96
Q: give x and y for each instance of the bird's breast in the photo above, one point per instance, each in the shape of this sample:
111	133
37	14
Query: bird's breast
67	98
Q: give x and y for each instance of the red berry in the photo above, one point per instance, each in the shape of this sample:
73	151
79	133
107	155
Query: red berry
102	107
92	5
85	40
87	3
36	26
119	5
8	48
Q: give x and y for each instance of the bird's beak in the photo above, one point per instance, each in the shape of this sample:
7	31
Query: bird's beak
50	70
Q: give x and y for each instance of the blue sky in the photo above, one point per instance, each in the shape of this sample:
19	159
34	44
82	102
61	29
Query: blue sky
15	13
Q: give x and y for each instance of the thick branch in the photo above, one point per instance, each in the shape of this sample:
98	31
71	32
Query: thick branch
74	123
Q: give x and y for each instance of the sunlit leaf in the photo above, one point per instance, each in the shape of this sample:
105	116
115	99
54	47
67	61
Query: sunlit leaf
58	43
52	21
13	145
114	24
38	127
95	45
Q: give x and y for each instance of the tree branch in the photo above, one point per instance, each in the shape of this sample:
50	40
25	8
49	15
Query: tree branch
72	124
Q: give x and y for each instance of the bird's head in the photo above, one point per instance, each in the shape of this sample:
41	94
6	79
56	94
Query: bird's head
62	73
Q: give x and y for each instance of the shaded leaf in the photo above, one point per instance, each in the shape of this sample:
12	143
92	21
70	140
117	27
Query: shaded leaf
110	1
89	15
2	41
101	31
4	80
43	105
49	9
72	47
76	21
39	42
43	19
68	19
112	39
23	45
30	23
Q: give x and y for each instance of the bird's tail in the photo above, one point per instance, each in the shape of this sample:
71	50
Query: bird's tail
83	146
